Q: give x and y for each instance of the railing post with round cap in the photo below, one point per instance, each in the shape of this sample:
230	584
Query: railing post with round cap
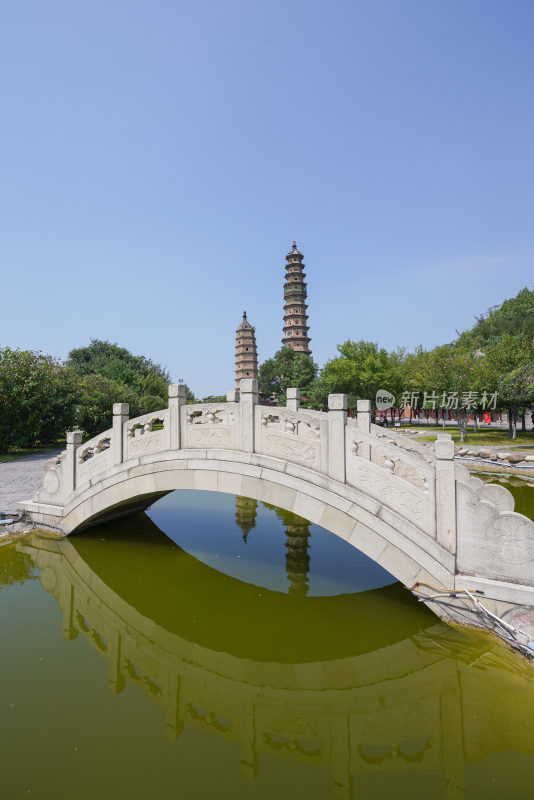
445	492
121	412
337	419
74	440
248	400
293	399
176	402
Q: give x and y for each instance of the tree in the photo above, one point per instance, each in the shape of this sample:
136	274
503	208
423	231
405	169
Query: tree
114	362
288	368
37	398
501	358
111	374
513	317
517	390
97	395
361	369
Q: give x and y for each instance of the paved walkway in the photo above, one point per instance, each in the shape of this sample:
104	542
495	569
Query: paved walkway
20	479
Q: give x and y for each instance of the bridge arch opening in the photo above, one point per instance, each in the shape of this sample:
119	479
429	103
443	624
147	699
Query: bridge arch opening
369	533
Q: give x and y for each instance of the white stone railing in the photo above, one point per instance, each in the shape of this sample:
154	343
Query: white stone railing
401	480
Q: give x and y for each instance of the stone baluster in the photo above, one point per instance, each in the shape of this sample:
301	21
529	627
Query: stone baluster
176	402
292	399
116	679
173	724
363	421
337	420
248	400
121	412
68	631
232	396
68	463
445	492
364	416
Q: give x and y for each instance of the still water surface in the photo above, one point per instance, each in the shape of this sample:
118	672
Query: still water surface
220	648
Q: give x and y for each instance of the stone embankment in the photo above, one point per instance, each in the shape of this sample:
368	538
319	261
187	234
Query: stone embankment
497	457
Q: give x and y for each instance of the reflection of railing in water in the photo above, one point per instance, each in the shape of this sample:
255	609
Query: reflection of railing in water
395	709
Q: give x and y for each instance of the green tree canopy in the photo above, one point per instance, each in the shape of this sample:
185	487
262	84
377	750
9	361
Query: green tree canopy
37	398
514	317
287	368
117	363
111	374
360	370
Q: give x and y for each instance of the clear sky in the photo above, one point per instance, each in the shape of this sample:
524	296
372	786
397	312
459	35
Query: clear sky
158	158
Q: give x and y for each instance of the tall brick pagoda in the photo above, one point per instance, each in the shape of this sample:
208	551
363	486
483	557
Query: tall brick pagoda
246	354
295	309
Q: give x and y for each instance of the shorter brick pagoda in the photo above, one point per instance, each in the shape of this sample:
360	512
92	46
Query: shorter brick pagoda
246	354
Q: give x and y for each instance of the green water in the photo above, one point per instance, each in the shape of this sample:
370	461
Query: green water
522	490
218	648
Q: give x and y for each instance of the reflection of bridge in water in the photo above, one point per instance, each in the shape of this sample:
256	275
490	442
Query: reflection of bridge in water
217	653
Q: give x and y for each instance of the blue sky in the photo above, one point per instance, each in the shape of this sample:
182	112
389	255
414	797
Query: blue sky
158	158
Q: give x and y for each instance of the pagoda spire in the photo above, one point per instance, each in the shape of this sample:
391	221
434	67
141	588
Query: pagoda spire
246	354
295	308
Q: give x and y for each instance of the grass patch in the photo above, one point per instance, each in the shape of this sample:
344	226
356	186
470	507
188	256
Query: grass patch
20	452
483	438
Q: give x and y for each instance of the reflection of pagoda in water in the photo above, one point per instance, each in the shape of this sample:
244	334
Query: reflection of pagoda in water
297	544
246	510
297	556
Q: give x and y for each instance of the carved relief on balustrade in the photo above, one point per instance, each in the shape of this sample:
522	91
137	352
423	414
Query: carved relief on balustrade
292	435
146	434
491	542
404	442
211	425
398	479
93	457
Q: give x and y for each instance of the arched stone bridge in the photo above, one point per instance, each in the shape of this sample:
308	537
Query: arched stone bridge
417	513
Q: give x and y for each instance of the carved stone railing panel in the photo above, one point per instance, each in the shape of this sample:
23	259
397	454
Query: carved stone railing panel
93	457
148	433
386	453
397	478
299	436
53	481
404	442
211	425
493	540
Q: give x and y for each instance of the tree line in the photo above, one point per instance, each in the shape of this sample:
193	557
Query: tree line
490	366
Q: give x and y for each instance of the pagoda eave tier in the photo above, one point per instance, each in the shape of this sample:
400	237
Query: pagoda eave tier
295	340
